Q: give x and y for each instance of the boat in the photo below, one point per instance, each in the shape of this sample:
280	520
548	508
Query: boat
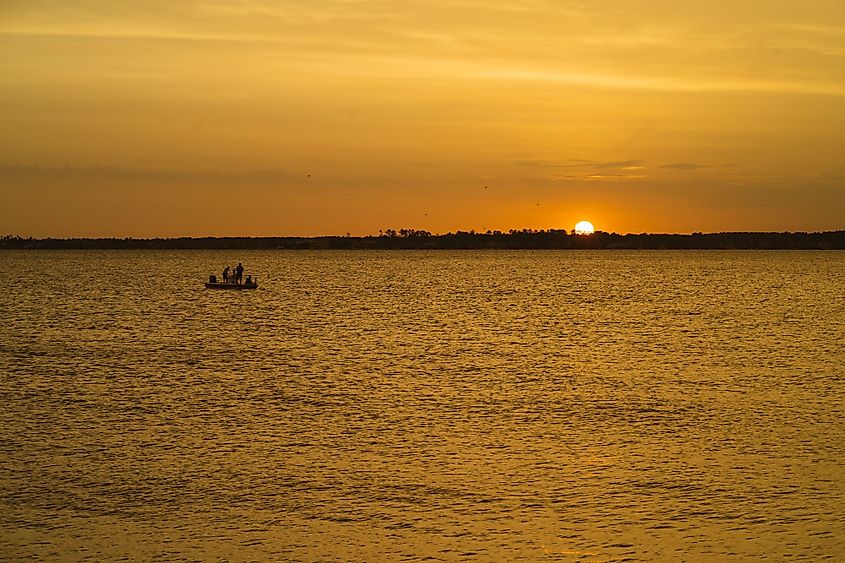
250	283
221	285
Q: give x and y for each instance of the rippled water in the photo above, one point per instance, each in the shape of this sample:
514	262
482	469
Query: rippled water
590	406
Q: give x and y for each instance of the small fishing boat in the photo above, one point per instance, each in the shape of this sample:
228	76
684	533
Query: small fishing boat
250	283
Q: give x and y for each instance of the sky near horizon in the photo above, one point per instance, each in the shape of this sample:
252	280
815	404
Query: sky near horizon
316	117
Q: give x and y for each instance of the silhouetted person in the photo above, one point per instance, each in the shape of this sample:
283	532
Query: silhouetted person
239	273
226	274
248	279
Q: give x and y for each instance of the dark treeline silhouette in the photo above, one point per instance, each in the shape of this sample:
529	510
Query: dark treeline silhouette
417	239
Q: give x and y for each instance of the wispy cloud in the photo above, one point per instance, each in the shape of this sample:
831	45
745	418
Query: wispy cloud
634	164
528	41
684	166
621	81
614	177
621	164
68	172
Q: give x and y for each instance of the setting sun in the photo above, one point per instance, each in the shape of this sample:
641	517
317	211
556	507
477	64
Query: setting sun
584	228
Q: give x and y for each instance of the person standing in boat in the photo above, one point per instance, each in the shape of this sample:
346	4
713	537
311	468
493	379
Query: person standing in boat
239	273
226	274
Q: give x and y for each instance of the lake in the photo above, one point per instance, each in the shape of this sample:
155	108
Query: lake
428	405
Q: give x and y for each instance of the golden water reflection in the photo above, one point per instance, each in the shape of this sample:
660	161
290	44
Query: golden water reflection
387	405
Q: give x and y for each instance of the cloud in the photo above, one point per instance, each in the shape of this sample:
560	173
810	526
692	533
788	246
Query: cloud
684	166
614	177
68	172
589	170
578	163
621	165
519	42
663	82
634	164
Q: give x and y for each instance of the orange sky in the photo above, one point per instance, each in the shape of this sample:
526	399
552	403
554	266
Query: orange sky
311	117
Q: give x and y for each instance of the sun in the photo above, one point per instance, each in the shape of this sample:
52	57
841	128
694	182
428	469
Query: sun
584	228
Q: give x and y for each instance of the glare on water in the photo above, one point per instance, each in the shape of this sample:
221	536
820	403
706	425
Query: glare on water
410	405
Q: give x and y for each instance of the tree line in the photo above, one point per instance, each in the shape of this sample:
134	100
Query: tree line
413	239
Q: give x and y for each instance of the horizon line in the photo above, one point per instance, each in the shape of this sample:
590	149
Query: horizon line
412	233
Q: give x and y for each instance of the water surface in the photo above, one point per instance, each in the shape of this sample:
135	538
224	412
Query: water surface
569	406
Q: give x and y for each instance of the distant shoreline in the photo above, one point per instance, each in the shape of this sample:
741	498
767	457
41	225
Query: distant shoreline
409	239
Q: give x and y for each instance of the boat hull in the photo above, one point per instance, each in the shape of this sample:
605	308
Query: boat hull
237	286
